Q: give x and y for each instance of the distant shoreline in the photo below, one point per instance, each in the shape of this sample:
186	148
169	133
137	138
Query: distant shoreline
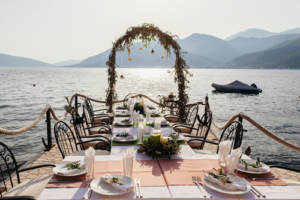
154	67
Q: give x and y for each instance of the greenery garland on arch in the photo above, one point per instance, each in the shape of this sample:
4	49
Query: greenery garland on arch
146	33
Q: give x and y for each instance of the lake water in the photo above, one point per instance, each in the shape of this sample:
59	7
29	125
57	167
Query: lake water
277	108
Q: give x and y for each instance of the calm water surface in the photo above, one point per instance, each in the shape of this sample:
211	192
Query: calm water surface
277	108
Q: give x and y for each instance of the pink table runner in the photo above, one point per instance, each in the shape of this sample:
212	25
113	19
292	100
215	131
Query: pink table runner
160	172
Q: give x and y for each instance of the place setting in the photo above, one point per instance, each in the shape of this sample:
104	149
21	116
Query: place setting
125	136
224	180
73	173
111	185
123	122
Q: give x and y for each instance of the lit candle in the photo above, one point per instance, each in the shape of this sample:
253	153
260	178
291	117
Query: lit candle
156	136
164	140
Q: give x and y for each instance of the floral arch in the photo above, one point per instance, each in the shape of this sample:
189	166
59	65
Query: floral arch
146	33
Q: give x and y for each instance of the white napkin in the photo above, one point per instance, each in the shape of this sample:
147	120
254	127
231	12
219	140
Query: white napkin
228	186
135	117
224	149
128	161
89	162
232	160
122	187
148	115
62	170
157	124
131	107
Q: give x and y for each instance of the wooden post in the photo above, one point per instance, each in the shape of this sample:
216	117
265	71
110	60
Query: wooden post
76	104
49	136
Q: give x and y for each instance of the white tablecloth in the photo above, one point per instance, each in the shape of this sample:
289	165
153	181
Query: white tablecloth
170	192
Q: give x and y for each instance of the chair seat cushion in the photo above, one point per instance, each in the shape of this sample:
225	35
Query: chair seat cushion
182	129
97	130
195	144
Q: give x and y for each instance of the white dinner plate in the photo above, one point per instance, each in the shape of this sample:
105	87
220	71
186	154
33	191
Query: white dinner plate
106	189
130	138
59	170
123	122
235	179
241	168
180	138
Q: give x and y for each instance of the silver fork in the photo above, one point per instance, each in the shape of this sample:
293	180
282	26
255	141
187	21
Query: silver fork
255	193
199	180
258	192
137	194
139	187
195	181
88	193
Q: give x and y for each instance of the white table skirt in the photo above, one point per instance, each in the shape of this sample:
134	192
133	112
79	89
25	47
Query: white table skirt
178	192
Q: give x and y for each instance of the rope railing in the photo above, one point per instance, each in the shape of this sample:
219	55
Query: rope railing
34	123
162	105
55	117
48	110
259	127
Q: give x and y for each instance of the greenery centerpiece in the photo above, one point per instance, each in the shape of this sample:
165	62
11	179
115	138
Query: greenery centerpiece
139	107
160	147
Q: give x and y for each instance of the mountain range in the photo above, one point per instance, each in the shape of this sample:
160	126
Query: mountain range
249	48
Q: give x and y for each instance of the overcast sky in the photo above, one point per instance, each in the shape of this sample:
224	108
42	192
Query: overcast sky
56	30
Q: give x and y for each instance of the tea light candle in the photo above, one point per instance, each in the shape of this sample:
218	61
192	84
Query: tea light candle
156	136
164	140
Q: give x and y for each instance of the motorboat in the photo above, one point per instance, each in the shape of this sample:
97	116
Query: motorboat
237	87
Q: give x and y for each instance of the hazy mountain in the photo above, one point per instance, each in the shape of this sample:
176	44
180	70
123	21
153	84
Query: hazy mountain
208	46
8	60
67	63
199	50
291	31
251	33
251	45
285	55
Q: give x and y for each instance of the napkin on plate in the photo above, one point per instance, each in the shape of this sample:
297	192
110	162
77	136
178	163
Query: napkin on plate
89	162
122	185
62	170
228	186
253	169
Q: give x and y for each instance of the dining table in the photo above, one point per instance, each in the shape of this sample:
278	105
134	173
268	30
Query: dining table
161	178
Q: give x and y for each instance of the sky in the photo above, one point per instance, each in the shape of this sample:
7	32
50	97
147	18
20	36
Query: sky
57	30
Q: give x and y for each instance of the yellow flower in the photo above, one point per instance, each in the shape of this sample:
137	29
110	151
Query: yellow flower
162	57
141	49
